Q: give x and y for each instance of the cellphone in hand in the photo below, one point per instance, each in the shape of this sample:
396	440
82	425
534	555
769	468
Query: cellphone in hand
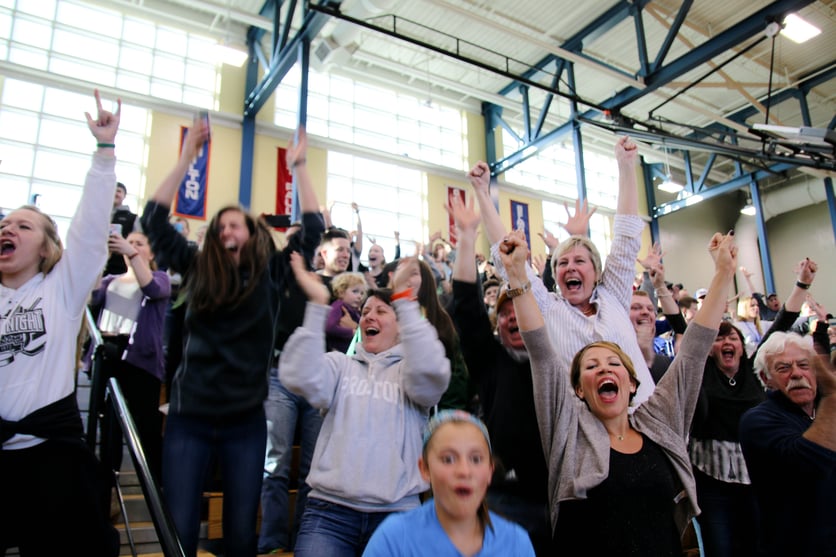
115	229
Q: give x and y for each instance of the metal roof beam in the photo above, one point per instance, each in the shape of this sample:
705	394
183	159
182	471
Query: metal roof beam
749	27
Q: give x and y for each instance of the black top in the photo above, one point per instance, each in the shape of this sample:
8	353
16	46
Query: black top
507	397
227	352
629	513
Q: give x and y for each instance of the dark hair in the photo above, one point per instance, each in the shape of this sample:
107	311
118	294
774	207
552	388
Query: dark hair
214	281
435	313
121	186
333	233
382	294
688	302
388	269
488	283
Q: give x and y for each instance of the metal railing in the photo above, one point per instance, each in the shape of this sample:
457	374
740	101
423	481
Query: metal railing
100	387
163	524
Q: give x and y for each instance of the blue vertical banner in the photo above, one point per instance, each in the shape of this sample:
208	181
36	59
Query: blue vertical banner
519	219
191	195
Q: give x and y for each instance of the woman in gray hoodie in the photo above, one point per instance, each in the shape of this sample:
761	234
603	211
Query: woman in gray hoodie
377	403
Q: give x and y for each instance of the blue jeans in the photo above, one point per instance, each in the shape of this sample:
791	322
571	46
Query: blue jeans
191	444
284	410
729	519
333	530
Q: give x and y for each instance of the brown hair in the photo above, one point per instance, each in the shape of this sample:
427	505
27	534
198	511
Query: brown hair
214	281
575	370
434	312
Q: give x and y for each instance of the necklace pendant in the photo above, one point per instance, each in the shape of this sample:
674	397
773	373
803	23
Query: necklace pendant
732	381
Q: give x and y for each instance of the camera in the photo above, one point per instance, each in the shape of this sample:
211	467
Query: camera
115	229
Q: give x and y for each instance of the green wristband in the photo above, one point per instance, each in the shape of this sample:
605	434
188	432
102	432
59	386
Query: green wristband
106	145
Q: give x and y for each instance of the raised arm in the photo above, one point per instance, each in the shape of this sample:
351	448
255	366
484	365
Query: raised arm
724	252
467	225
86	251
358	237
626	154
195	139
480	180
297	161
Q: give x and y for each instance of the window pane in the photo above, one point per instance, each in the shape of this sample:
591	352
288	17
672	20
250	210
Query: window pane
14	191
172	40
33	33
138	32
40	8
139	60
66	135
17	159
61	167
26	56
19	126
81	16
55	199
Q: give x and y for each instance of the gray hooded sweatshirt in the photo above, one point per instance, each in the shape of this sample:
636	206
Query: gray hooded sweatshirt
377	405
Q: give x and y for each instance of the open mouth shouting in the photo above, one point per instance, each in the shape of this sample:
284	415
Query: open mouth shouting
371	331
7	247
573	284
607	389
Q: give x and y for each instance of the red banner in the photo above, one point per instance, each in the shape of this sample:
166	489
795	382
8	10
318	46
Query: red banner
284	186
452	193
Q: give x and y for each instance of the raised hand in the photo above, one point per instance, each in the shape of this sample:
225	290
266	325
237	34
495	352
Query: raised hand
197	135
106	123
513	251
746	272
464	215
657	275
652	258
117	244
626	151
723	251
806	271
308	281
297	151
406	269
578	224
480	177
550	239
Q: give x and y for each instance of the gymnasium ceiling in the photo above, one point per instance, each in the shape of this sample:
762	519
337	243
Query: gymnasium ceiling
715	75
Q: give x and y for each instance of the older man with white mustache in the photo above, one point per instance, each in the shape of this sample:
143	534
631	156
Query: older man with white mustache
789	443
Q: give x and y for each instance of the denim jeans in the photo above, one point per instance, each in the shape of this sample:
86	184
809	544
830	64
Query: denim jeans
729	517
191	444
284	410
334	530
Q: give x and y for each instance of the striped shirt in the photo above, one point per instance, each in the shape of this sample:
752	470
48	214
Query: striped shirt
570	330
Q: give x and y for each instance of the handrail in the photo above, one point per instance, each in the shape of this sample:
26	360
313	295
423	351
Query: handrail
163	524
97	382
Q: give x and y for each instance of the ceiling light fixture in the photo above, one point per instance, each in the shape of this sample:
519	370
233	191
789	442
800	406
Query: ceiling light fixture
668	184
798	30
749	208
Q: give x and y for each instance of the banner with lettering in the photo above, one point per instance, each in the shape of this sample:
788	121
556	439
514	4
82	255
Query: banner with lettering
519	219
191	195
284	186
452	193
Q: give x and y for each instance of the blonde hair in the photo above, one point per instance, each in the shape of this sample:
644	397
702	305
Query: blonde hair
743	312
576	241
344	281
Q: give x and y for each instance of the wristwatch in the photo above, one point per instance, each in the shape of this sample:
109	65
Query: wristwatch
514	292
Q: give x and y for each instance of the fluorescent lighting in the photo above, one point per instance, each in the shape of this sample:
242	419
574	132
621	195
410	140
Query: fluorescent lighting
670	186
797	30
231	55
749	210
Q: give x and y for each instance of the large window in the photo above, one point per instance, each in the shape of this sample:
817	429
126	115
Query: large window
45	148
369	116
74	39
391	198
554	216
552	170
